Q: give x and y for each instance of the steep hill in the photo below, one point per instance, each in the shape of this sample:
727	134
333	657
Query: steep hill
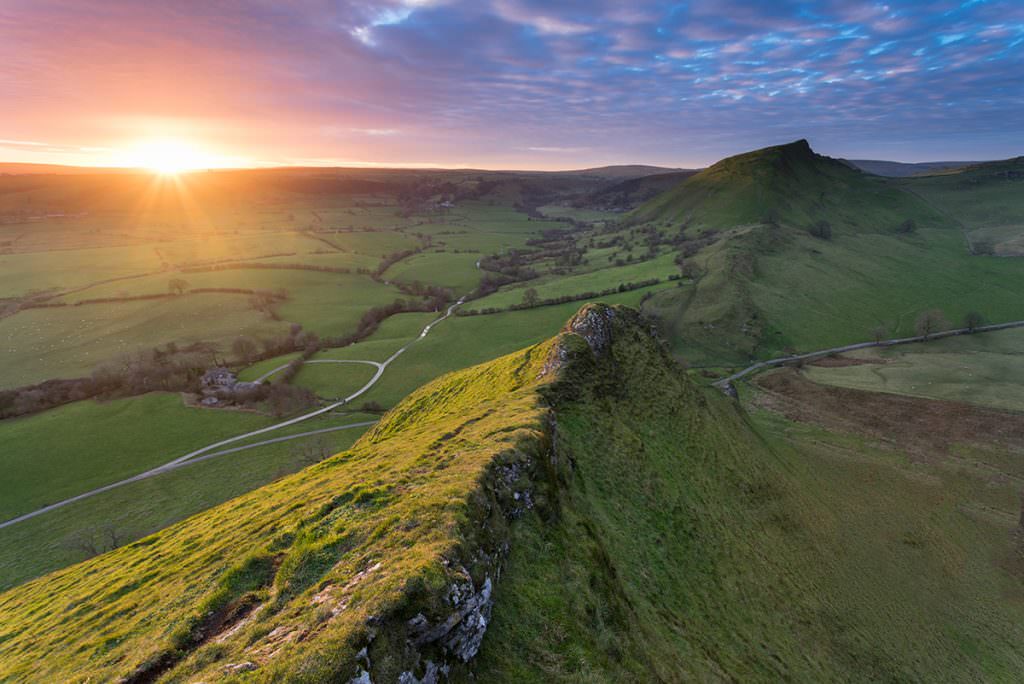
811	253
787	184
576	511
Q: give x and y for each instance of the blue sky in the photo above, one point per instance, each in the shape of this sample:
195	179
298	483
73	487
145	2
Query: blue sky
514	83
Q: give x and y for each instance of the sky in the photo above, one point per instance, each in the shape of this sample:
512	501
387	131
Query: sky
540	84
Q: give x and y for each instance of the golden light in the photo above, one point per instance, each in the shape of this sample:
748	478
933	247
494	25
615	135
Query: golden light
168	157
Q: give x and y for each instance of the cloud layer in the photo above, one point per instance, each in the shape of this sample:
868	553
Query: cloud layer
516	82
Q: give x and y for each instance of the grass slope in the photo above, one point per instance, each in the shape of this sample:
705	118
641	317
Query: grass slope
112	440
987	199
769	286
653	533
986	370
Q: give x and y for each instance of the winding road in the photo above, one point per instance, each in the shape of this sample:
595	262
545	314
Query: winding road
725	384
211	450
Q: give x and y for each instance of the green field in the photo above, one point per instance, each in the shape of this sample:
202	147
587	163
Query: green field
985	369
455	271
592	281
987	200
256	370
74	448
772	290
334	380
60	270
66	342
54	540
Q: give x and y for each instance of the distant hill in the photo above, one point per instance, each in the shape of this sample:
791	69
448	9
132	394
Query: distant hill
624	171
13	168
786	184
630	193
903	169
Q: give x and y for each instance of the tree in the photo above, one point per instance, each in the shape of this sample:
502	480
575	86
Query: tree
530	297
244	348
879	333
973	320
177	285
822	230
931	322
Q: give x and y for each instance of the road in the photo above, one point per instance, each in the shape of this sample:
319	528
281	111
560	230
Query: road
725	384
211	450
281	368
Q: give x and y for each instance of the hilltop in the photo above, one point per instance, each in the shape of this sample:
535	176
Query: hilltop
576	509
786	184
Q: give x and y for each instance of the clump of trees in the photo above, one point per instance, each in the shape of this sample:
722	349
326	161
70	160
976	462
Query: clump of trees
177	286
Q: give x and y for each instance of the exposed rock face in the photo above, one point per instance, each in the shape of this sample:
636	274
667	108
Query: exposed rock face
594	324
461	634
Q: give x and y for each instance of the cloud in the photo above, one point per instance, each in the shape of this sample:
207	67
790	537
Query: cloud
480	80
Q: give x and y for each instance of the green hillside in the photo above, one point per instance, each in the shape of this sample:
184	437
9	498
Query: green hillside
788	184
771	282
576	511
986	199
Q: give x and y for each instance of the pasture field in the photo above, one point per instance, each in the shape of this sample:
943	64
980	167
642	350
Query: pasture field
55	540
554	286
334	381
455	271
67	342
59	270
987	200
579	214
211	248
985	369
825	294
71	449
250	373
371	243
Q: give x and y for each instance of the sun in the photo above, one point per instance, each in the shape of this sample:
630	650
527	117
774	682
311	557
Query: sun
169	157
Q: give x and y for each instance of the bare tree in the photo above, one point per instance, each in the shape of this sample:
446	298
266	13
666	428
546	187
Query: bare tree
177	285
973	320
879	333
931	322
244	348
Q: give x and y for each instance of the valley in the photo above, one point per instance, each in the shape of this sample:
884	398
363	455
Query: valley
300	498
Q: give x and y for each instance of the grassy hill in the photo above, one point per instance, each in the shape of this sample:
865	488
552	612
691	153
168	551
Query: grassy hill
575	511
986	199
788	184
772	281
